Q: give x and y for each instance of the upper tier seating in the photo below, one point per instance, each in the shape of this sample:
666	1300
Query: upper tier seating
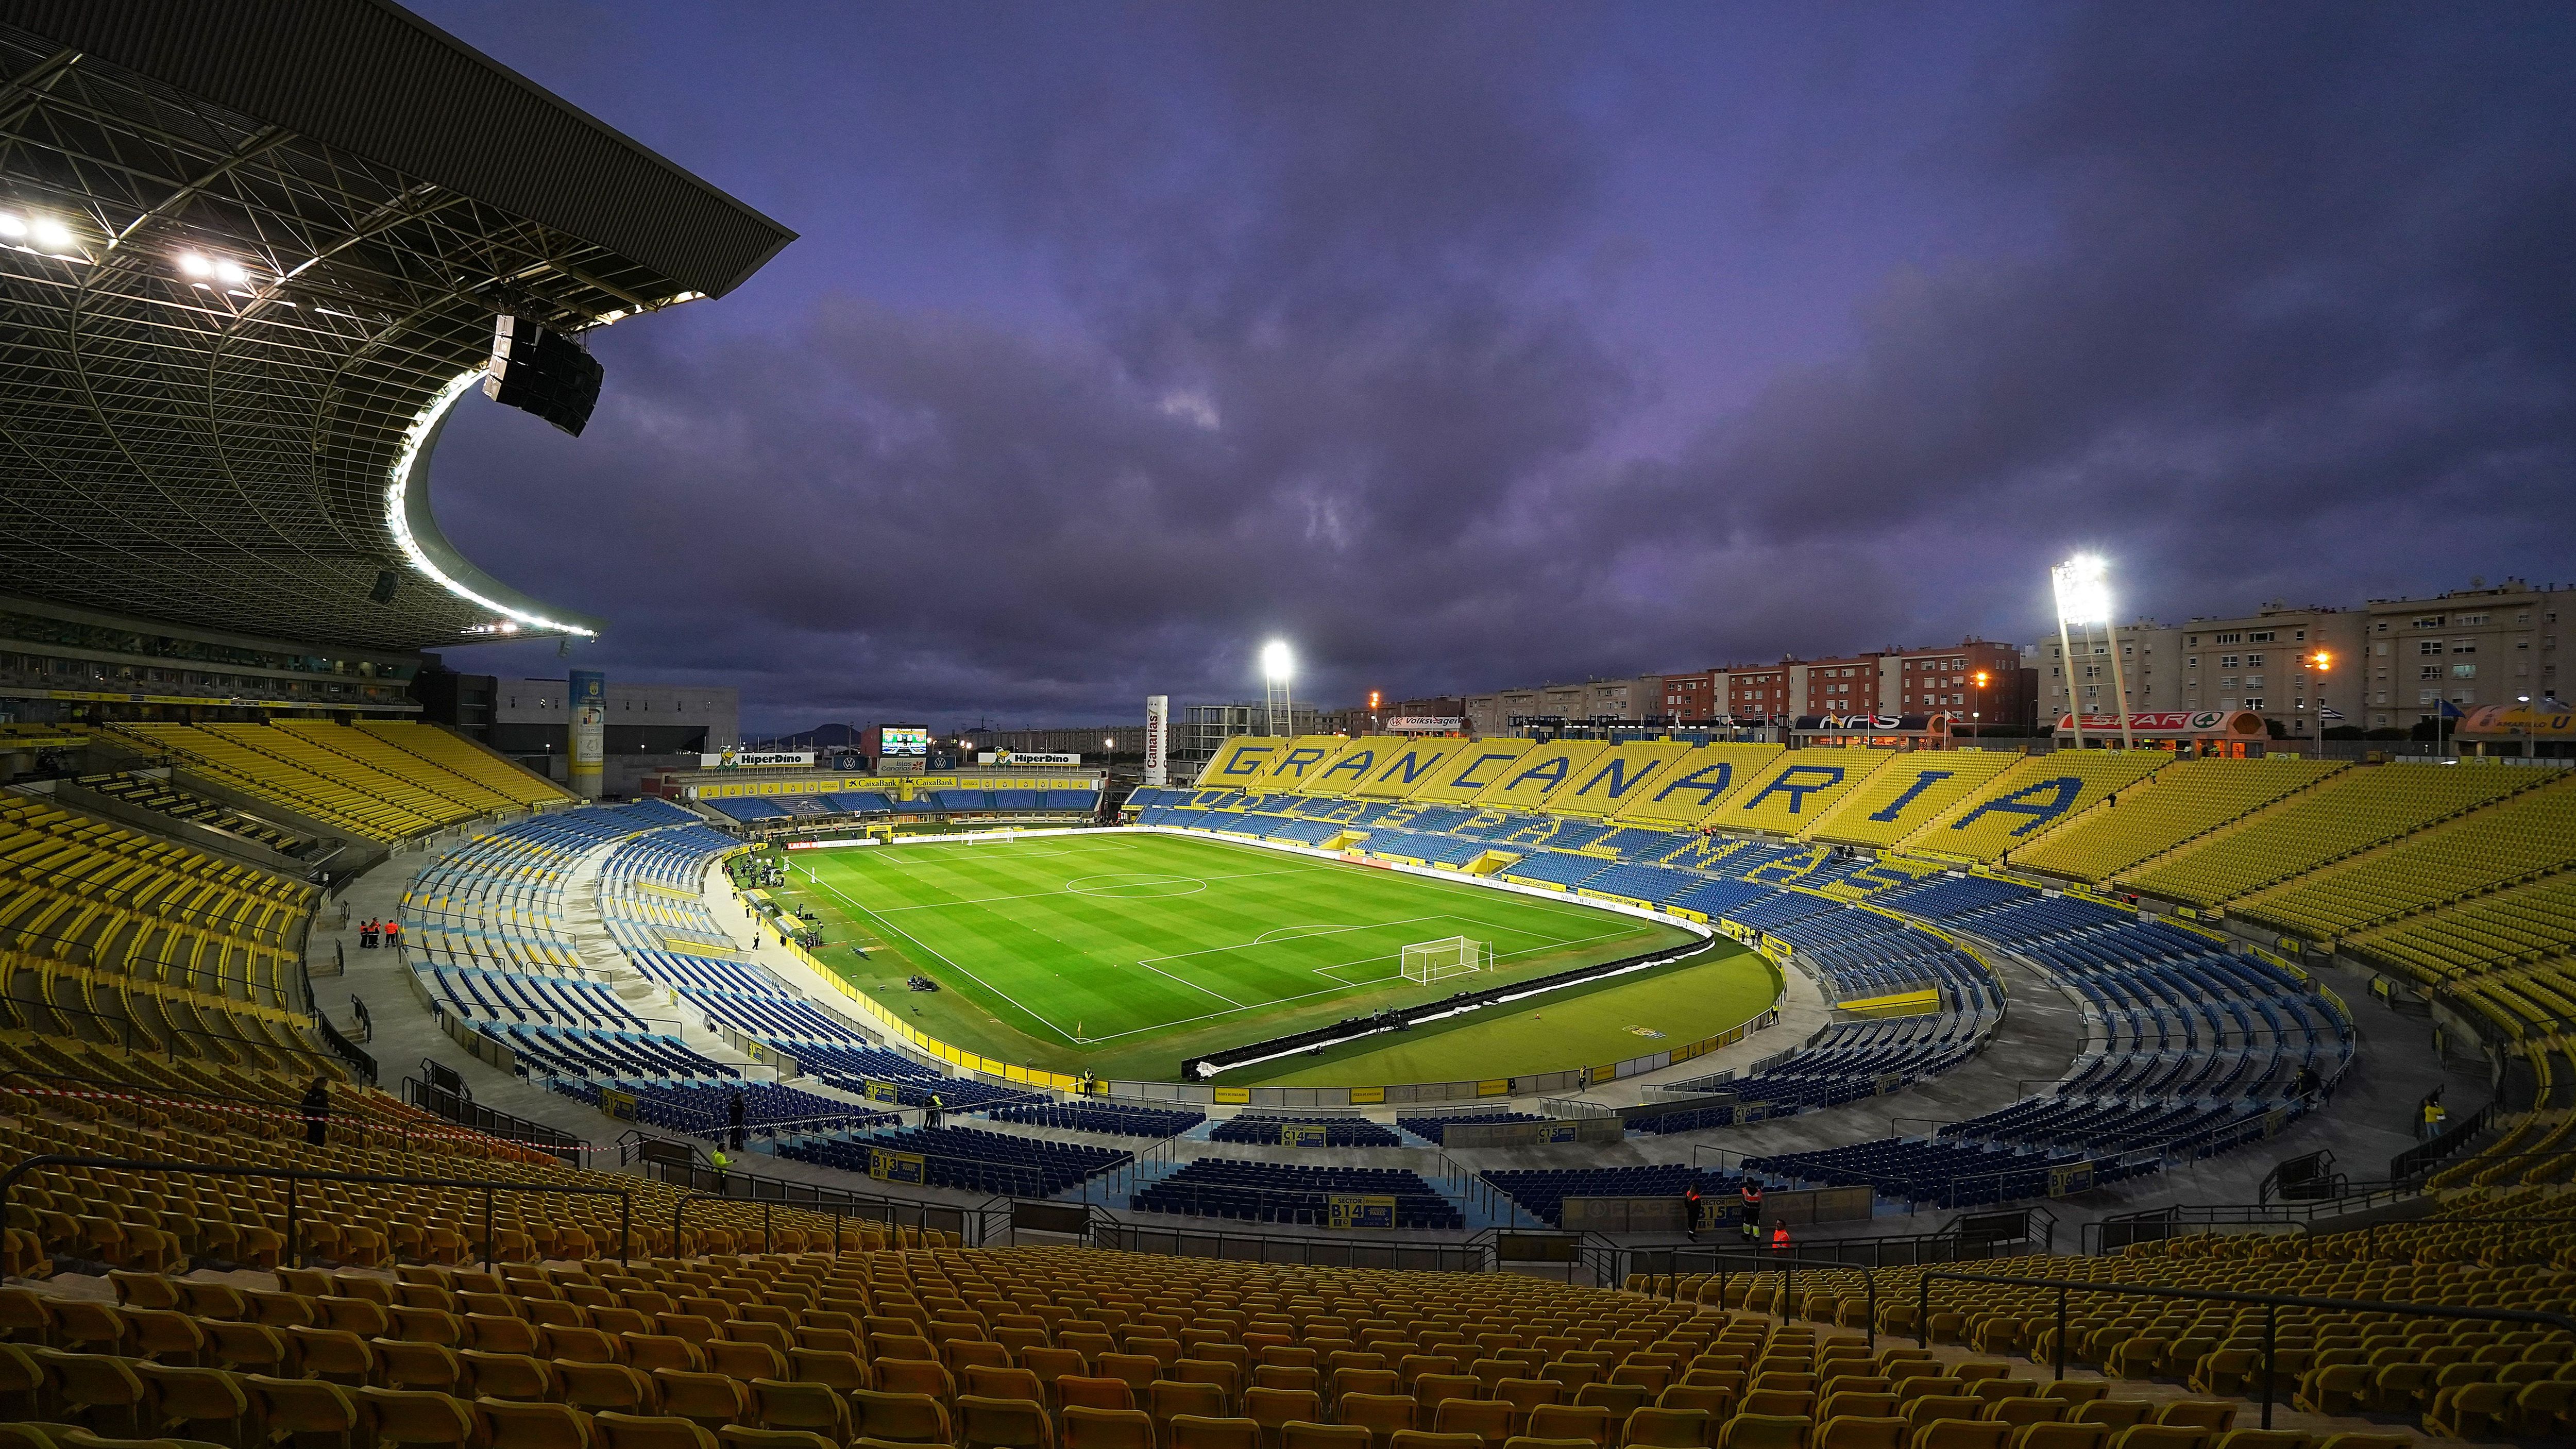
1799	789
2182	803
2530	835
1907	793
323	797
148	792
2032	797
1686	793
464	758
2342	816
364	747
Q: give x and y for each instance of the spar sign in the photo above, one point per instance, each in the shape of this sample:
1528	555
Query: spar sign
2176	724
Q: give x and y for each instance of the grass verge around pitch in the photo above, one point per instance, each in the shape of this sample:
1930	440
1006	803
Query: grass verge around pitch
1123	953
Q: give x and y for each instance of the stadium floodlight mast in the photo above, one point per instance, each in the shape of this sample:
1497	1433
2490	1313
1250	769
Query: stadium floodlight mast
1276	665
2083	588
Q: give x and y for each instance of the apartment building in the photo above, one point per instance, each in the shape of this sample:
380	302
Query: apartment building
2475	646
2148	654
2301	669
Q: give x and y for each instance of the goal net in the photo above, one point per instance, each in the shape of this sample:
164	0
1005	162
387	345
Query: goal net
1430	961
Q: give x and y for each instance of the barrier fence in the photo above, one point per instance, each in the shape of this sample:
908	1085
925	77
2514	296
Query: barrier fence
2271	1303
292	1252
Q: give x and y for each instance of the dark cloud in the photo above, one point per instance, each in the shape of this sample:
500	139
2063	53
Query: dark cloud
1336	323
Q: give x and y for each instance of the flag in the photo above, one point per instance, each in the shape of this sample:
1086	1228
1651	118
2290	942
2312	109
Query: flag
2326	713
2447	710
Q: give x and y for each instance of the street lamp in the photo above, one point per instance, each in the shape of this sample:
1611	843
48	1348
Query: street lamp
1977	731
2321	661
2083	588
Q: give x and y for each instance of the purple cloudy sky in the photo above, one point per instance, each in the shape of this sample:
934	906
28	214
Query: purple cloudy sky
1484	344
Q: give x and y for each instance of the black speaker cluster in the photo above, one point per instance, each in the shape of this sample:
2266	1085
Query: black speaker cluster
543	370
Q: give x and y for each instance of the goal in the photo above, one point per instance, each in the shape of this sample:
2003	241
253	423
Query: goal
1429	961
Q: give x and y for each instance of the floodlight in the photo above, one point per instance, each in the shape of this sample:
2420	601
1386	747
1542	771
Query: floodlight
193	265
2083	590
47	232
230	273
12	225
1275	662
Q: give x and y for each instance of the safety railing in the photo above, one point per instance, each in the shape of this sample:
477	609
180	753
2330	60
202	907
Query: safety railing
1344	1248
1469	1186
292	1252
2270	1303
844	1208
458	1106
102	1089
2419	1161
1669	1264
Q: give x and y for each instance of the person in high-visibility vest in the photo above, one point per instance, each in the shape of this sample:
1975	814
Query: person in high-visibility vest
1690	1210
1779	1235
720	1162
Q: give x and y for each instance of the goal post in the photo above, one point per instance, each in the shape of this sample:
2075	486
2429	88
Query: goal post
1430	961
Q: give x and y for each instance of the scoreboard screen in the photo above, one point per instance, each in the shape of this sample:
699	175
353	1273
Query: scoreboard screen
908	740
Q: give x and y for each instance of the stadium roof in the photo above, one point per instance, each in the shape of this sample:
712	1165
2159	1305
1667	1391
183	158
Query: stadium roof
258	249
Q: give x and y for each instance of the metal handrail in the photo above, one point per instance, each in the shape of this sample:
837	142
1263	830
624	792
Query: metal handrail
2271	1303
1759	1261
461	1109
292	1176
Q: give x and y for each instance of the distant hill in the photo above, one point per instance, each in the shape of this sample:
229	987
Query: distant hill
825	737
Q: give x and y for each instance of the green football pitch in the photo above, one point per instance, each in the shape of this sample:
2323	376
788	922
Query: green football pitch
1124	953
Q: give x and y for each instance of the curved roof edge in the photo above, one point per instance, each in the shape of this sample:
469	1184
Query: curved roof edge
373	79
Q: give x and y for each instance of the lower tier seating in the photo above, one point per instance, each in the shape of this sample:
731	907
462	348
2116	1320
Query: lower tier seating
1272	1192
1265	1127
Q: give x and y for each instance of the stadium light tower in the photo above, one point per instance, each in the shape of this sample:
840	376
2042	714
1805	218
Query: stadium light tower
2083	588
1276	665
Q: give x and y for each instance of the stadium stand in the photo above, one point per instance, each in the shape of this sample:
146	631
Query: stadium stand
1471	771
1435	1128
2530	835
1406	766
365	748
2031	797
1543	1191
1269	1127
1798	790
1906	793
161	797
1615	776
1114	1119
2182	803
2343	816
104	929
970	1159
1695	785
1273	1192
467	760
2507	954
325	798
